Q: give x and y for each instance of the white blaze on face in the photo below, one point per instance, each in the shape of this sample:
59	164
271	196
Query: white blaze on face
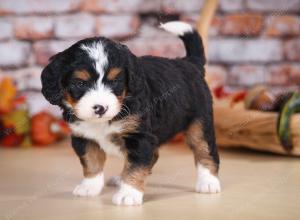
99	94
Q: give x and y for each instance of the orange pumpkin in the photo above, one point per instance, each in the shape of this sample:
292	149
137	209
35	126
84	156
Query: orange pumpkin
46	129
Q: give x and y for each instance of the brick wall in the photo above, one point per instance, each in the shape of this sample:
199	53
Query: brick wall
251	41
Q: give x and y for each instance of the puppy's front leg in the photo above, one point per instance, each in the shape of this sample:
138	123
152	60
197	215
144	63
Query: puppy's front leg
92	159
141	155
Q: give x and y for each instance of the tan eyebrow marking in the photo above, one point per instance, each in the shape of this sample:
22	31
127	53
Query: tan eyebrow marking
113	73
82	74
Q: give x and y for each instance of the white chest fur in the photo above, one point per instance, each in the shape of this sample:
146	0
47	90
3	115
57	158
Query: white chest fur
99	132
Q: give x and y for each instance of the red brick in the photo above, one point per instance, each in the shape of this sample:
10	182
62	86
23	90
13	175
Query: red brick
117	26
278	75
34	28
242	24
117	6
178	6
149	6
38	7
14	53
245	50
285	74
295	74
166	47
43	50
214	28
231	5
75	26
292	49
216	75
246	75
288	25
282	6
6	28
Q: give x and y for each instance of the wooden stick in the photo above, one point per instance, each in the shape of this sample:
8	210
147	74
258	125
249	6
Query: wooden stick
204	20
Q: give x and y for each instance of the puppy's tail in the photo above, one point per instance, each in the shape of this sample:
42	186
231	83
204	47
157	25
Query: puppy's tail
190	37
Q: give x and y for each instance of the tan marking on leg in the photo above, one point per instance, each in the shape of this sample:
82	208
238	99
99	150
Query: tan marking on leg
195	139
93	160
135	176
82	74
113	73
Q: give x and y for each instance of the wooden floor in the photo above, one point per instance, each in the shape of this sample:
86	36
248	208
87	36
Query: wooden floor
37	184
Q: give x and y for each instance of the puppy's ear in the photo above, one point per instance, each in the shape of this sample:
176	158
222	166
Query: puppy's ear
51	80
134	75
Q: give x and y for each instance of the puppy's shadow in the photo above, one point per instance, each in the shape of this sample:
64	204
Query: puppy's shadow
158	191
67	195
163	191
169	186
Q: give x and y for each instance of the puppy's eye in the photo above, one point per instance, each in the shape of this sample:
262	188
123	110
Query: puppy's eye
115	83
77	83
80	84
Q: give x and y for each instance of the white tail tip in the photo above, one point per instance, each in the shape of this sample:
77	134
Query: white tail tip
177	27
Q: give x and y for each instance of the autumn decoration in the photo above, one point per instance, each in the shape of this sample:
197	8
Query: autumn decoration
17	129
258	118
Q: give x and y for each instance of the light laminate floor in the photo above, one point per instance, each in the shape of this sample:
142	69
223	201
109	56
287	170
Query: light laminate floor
37	183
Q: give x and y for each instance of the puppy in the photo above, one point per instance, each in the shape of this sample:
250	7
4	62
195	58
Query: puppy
117	103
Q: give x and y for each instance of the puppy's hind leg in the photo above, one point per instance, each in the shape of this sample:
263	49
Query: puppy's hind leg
201	139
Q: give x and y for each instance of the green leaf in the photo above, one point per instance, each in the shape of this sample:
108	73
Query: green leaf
284	121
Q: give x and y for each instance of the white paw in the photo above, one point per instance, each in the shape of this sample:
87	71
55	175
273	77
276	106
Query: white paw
90	186
114	181
206	182
128	195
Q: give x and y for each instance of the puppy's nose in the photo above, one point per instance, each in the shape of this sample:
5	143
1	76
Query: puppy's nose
99	109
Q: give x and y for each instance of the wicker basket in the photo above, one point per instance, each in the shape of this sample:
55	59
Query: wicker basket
236	127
